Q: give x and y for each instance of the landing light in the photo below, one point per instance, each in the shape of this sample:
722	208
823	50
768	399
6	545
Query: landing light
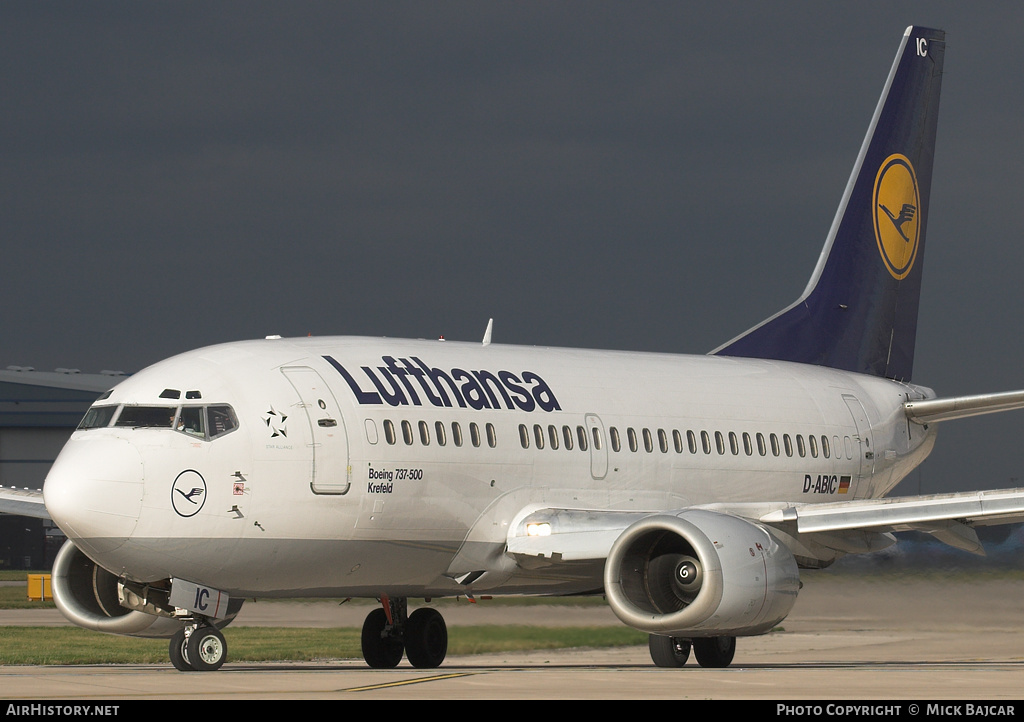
538	529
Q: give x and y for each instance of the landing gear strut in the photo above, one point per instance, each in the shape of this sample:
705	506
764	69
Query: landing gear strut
674	651
389	631
198	647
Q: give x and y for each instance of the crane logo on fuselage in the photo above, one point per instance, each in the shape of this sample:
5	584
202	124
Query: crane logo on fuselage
188	493
401	382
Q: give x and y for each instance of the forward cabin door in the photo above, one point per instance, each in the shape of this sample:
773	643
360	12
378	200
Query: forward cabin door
331	472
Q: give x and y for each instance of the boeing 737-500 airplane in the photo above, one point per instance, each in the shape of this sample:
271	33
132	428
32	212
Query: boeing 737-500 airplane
688	490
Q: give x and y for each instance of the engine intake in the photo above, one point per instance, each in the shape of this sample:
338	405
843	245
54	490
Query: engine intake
700	573
87	595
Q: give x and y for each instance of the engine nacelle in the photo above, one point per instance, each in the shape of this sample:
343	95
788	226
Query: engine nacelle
88	596
700	574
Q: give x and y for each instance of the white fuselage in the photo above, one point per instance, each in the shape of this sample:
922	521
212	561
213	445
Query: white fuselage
359	466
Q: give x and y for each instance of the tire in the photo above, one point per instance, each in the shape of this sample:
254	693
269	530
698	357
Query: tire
177	652
380	651
426	638
668	651
206	650
714	651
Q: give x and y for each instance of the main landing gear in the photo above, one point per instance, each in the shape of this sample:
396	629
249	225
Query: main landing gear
198	647
674	651
389	631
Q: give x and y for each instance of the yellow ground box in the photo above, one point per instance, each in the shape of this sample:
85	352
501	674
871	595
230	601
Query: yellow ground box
39	588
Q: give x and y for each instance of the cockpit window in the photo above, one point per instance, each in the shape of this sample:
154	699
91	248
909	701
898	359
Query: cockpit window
221	420
191	421
200	422
98	417
148	417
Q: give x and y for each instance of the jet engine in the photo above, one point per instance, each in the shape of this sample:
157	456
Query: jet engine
91	597
700	573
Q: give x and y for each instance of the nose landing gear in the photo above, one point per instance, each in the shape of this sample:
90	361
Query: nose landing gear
389	631
198	647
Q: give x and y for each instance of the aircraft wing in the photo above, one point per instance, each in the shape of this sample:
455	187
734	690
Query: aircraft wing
23	502
550	536
950	518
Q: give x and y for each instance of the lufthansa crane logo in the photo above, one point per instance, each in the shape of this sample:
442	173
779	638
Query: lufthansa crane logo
188	493
897	205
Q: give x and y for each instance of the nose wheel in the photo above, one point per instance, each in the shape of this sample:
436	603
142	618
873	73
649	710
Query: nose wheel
389	632
198	648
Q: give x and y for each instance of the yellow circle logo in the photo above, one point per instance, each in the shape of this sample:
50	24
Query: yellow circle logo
897	208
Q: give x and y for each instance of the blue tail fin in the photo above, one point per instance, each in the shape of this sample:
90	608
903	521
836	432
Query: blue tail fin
859	310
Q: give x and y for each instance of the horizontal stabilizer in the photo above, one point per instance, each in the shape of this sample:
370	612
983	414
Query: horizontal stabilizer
933	410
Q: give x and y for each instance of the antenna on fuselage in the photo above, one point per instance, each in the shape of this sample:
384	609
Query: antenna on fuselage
487	333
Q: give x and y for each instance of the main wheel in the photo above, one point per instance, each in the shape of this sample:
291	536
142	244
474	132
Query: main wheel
714	651
177	652
206	650
668	651
379	650
426	638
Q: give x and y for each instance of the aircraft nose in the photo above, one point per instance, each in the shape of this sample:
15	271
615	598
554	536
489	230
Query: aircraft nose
94	492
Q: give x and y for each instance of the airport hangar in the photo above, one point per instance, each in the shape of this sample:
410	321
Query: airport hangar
38	412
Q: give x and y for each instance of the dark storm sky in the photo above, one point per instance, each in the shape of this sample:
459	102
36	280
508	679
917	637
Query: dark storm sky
652	175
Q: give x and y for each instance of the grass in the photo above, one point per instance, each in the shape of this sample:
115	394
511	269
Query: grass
71	645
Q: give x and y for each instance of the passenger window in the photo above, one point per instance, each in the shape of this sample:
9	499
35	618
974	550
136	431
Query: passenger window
748	448
407	433
616	441
663	441
719	443
787	443
439	433
824	447
705	442
691	441
492	437
567	435
389	431
761	448
581	436
597	437
775	444
371	430
734	443
800	449
677	439
814	446
424	433
631	436
553	436
648	441
538	435
474	433
524	436
456	433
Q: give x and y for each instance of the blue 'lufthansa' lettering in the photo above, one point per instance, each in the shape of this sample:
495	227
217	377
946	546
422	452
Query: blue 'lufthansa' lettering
401	382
